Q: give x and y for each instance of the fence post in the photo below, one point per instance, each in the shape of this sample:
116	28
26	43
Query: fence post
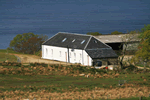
107	97
93	96
140	97
119	96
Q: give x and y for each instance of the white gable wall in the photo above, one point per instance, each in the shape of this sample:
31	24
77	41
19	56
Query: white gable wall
61	54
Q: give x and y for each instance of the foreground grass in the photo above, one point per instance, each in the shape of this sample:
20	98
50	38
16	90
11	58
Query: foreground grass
62	81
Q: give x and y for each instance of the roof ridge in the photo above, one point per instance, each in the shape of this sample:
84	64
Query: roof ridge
75	33
50	38
98	48
87	42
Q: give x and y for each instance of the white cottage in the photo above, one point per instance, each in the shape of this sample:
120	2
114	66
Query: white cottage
76	48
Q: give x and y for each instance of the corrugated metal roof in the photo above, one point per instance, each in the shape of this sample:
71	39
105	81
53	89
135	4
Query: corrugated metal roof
117	38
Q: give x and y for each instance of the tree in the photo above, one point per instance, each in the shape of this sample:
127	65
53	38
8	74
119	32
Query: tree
126	39
145	28
143	53
94	33
27	43
32	45
116	32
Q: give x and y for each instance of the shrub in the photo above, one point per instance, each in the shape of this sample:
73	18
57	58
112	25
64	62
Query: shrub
18	64
44	65
132	67
38	53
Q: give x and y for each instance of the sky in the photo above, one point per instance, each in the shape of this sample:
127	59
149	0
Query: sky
76	16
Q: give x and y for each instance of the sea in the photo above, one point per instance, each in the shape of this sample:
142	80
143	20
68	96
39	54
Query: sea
49	17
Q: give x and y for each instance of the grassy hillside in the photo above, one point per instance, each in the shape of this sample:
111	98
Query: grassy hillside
4	56
9	51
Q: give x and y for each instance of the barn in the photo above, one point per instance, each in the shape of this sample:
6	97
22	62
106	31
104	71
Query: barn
78	48
116	40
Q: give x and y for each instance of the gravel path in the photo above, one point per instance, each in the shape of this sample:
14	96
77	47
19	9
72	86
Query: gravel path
33	58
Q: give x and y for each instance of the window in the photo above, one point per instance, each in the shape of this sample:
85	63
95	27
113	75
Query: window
70	55
74	56
60	53
97	63
46	52
73	40
64	40
52	52
82	41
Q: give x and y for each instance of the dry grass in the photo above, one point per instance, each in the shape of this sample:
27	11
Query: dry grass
97	93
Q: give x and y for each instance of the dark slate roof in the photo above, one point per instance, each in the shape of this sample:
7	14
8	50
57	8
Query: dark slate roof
101	53
57	40
94	43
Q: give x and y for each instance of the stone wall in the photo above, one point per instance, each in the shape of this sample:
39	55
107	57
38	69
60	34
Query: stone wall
132	46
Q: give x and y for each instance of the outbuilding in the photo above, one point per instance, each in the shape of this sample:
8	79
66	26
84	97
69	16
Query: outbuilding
78	48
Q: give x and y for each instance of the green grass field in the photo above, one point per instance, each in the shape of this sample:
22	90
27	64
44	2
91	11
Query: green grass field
9	81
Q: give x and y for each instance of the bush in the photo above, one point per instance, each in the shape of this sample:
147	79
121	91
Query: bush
10	49
131	68
44	65
94	33
116	33
38	53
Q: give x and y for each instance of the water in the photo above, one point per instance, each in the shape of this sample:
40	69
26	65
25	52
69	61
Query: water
76	16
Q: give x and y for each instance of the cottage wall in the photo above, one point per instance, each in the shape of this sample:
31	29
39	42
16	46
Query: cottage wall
61	54
113	61
108	61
